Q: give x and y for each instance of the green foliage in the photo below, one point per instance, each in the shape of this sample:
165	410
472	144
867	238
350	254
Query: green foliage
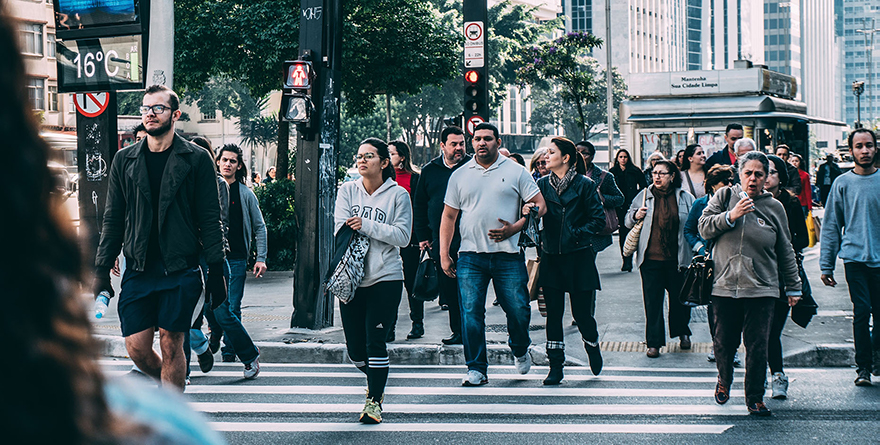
277	204
128	103
354	129
564	61
548	111
243	39
229	96
259	131
394	47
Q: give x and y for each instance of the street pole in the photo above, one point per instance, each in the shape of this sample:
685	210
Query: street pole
160	64
609	81
317	147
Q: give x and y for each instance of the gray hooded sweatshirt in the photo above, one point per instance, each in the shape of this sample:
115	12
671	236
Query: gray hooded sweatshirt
752	254
387	220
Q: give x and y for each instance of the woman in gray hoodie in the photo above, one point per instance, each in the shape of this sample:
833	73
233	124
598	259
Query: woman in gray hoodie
375	206
752	249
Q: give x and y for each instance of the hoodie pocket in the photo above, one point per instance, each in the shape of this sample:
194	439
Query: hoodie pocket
739	273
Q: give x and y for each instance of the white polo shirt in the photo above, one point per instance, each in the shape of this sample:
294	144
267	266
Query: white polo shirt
483	195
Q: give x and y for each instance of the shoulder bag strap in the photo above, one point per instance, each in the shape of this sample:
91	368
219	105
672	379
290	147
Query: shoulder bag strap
690	183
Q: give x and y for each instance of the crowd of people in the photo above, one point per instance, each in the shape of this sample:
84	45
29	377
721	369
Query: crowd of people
185	221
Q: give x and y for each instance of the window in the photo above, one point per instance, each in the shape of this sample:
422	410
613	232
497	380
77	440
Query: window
50	44
32	38
53	98
36	93
209	116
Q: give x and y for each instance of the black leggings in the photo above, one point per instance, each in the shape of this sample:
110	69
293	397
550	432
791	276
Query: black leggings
581	310
366	320
774	347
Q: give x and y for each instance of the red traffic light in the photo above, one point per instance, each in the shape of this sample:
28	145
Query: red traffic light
472	76
298	75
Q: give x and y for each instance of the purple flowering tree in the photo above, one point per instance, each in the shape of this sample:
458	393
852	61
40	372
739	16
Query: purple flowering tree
563	62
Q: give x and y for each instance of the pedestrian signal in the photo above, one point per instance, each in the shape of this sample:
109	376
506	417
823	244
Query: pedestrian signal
298	75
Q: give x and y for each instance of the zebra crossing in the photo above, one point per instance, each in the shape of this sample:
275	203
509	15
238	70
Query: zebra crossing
428	400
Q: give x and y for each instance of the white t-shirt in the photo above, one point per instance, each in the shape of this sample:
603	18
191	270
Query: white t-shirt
483	195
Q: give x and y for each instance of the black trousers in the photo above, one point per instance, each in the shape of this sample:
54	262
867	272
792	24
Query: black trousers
582	303
410	257
660	278
449	294
864	291
366	320
774	347
751	319
622	232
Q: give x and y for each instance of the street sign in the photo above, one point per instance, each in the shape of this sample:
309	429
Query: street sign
473	122
91	104
100	64
474	44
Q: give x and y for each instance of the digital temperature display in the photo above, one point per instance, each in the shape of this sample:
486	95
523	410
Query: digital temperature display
84	14
103	64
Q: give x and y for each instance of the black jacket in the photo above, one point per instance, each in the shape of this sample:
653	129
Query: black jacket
797	223
572	218
428	198
630	181
189	209
719	157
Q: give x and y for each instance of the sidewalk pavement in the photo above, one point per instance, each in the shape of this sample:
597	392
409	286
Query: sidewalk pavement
267	309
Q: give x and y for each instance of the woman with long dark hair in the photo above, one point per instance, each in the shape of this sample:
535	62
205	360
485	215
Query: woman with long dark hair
693	170
664	254
630	181
54	390
574	214
376	207
407	177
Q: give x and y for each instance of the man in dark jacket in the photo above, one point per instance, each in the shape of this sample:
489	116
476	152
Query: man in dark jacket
427	210
828	172
163	210
733	133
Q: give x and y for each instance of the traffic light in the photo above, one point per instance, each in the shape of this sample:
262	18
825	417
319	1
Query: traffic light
476	98
296	102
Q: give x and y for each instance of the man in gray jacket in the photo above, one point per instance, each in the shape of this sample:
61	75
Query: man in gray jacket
245	223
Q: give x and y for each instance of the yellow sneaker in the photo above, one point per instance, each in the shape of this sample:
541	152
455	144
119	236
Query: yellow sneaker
372	413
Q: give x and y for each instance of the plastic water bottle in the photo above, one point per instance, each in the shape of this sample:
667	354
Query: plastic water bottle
101	303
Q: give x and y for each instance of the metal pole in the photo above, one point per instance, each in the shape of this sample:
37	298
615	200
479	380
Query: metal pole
160	63
609	82
870	73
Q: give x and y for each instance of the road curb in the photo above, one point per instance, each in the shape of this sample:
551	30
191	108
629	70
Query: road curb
822	355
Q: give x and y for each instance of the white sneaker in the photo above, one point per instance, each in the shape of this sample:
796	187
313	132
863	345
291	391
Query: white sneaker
524	363
780	385
474	378
252	369
736	361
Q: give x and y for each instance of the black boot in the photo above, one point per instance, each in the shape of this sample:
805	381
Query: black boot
418	330
557	358
595	356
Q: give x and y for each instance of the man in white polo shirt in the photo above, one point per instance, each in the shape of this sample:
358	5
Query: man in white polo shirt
488	191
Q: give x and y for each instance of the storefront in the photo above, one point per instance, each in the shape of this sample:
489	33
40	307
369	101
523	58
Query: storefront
668	111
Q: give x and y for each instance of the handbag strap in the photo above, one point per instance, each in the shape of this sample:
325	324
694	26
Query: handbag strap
690	183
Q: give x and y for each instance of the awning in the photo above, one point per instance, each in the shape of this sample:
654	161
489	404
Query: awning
722	108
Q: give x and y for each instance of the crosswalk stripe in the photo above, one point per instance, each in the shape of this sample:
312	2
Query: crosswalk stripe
347	366
486	391
532	428
452	376
477	408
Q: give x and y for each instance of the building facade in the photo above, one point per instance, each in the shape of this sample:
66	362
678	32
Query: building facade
856	21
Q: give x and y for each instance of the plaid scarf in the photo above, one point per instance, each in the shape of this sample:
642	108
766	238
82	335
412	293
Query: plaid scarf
561	184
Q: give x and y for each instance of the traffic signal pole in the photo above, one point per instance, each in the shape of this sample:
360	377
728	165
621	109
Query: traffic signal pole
320	40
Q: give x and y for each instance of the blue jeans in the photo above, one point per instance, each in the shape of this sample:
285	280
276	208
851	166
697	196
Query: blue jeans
509	278
237	275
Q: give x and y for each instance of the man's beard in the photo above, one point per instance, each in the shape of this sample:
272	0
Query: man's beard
164	128
868	164
454	158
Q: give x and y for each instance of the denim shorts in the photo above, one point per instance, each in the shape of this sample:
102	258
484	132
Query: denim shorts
153	298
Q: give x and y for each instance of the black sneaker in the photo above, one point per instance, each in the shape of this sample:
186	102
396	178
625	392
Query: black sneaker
758	409
864	378
722	394
228	359
206	361
214	342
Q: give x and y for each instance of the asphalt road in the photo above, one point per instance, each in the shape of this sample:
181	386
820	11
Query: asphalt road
319	404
